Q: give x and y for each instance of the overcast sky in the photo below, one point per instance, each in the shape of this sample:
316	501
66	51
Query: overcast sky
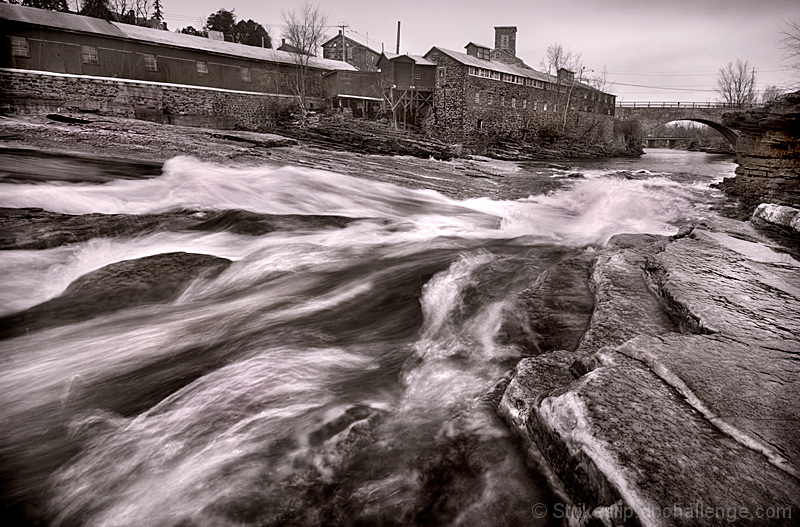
671	49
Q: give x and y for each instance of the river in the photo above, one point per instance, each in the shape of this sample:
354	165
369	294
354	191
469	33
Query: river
328	376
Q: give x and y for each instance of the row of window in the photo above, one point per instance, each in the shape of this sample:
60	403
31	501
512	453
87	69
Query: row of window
505	77
20	48
512	102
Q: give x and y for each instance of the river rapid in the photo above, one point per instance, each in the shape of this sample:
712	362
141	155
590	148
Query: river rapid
328	376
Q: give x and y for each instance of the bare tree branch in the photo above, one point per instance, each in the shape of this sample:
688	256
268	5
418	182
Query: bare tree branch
736	83
304	29
790	42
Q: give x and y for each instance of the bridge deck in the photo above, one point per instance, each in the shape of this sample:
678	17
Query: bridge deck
675	104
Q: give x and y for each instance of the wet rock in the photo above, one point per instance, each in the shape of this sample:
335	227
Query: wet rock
777	215
29	228
34	165
625	305
129	283
559	305
644	419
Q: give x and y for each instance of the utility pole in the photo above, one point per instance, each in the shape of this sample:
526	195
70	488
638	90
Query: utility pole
344	42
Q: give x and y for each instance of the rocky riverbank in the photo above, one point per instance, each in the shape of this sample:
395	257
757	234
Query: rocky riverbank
768	153
685	414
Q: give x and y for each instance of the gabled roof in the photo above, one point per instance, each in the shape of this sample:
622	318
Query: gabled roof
227	48
493	65
477	45
355	39
418	59
57	19
84	24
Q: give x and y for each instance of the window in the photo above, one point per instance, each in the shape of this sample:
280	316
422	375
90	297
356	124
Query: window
483	53
246	75
503	41
477	97
19	47
524	103
150	63
513	102
489	99
535	106
89	54
480	124
417	76
502	100
202	68
441	73
544	107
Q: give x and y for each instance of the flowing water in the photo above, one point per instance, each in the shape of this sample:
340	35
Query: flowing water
334	376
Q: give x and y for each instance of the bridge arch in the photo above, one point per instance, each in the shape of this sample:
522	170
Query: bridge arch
726	132
651	115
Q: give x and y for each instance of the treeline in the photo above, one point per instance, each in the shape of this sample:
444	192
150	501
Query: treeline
247	32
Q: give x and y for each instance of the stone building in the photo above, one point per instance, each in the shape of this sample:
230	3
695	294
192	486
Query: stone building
490	91
52	60
359	54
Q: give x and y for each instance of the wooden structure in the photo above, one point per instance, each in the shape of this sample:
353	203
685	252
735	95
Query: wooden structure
66	43
408	83
357	90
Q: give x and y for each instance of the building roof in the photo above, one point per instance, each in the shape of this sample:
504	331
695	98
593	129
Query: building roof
494	65
469	60
478	45
57	19
418	59
84	24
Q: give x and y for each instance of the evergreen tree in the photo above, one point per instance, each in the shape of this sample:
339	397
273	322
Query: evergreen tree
223	21
158	13
251	33
96	9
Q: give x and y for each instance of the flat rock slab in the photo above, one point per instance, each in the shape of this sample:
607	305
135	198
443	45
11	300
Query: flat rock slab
657	426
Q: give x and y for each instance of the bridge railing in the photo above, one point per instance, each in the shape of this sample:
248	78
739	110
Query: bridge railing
649	104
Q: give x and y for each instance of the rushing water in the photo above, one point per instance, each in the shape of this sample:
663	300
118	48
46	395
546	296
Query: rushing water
331	376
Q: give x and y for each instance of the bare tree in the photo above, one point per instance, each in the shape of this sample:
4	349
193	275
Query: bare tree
790	42
556	57
736	84
304	29
770	94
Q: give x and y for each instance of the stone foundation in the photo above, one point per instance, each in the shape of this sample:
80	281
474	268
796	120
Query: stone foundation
33	92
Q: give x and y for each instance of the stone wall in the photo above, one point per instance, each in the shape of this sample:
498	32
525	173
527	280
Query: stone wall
468	108
40	92
768	153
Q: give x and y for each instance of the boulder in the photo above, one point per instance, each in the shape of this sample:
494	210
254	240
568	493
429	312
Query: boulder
777	215
125	284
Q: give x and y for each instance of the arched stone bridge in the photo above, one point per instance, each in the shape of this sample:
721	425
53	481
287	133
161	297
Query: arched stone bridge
653	114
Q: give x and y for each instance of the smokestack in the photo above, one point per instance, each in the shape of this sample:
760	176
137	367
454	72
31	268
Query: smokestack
397	51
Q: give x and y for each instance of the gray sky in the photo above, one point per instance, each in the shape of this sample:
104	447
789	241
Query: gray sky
671	49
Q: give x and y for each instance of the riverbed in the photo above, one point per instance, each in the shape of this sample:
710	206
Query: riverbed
335	374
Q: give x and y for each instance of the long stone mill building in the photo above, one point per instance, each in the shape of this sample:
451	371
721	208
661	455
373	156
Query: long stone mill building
492	91
52	60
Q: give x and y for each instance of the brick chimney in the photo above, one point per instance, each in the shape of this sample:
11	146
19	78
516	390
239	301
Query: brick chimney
505	38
